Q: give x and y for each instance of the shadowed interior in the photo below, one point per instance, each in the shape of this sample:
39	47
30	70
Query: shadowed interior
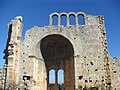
58	53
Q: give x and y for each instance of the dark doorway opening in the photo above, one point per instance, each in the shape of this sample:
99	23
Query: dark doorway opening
58	55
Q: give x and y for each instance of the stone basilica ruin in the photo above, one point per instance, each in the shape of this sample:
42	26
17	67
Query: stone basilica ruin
78	51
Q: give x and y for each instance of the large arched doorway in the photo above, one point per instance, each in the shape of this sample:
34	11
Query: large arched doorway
58	53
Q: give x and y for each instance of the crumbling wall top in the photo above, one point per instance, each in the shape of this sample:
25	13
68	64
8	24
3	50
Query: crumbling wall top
19	18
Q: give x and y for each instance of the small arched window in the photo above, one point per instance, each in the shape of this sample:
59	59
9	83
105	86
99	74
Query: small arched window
55	20
60	76
72	19
52	76
63	20
81	20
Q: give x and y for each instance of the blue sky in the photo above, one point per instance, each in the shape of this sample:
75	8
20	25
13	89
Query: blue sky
36	13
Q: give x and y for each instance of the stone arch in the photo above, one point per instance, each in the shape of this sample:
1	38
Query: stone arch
34	52
57	42
53	14
51	18
82	14
55	20
72	14
36	45
66	15
58	52
80	20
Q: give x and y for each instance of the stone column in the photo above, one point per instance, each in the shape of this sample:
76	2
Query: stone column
59	21
56	77
68	21
50	21
56	80
76	19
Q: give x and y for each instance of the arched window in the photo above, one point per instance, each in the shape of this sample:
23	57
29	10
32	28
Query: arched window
72	19
55	20
81	20
63	20
60	76
52	76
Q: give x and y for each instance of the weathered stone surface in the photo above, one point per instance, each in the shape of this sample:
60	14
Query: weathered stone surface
79	50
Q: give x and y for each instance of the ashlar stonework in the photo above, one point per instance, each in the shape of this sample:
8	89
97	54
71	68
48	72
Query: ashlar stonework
81	51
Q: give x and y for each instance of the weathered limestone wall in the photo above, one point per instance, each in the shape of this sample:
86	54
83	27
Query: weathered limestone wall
87	42
89	65
1	78
36	39
90	62
90	46
115	72
12	52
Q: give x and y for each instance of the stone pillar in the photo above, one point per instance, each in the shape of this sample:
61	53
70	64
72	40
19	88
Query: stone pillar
50	21
76	19
12	51
68	23
59	21
56	80
56	77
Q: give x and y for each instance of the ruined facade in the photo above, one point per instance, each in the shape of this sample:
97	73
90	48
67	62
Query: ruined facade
80	51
